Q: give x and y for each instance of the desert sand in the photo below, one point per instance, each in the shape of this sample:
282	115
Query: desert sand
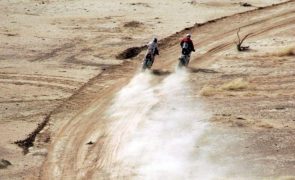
80	112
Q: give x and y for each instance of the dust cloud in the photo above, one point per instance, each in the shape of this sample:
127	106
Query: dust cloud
157	129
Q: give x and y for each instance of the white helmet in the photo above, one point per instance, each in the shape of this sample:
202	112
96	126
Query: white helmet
188	35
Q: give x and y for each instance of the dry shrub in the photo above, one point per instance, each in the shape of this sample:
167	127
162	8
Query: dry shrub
267	126
208	91
235	85
286	51
251	94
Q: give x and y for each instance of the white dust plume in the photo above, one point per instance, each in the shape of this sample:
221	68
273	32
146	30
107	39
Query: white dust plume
157	129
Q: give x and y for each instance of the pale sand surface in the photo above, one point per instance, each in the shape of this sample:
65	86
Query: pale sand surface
49	50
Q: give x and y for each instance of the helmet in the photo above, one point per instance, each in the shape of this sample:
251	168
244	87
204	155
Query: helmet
188	35
155	40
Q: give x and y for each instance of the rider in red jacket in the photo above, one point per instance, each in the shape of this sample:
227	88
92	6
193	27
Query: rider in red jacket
187	45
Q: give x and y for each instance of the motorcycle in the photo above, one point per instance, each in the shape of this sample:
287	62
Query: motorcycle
184	60
147	62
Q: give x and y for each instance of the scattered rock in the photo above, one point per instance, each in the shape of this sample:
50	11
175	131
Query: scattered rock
4	164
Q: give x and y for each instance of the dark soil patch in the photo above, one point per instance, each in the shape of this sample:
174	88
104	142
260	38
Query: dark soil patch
90	143
4	164
245	4
133	24
130	52
140	4
28	142
11	34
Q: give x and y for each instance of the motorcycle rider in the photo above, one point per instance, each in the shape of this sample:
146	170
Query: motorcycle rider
187	45
153	48
152	51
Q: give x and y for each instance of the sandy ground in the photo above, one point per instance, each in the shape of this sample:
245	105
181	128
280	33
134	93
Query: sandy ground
58	61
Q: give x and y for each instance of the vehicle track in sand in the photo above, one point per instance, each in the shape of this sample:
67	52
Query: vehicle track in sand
70	158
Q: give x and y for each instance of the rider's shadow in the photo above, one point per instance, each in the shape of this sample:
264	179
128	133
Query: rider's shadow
198	70
159	72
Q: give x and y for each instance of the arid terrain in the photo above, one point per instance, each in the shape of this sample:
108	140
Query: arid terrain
75	105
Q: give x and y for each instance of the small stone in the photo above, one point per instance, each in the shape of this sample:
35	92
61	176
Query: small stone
90	143
241	118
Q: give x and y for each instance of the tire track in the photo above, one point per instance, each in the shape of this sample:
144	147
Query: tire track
94	109
64	87
43	77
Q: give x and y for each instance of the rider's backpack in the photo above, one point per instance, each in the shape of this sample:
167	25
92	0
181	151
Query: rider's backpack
185	48
185	45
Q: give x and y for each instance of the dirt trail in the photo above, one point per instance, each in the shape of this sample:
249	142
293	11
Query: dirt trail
70	158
